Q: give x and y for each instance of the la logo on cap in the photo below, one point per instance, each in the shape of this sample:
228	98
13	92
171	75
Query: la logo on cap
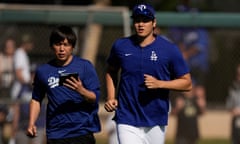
142	7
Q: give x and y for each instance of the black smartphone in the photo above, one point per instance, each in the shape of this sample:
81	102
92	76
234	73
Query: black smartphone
64	76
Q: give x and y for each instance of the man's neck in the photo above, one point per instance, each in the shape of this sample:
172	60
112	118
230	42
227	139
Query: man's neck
144	41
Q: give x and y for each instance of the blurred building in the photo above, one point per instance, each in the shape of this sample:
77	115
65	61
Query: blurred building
46	2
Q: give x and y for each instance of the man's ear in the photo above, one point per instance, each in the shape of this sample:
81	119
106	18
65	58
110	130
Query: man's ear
154	23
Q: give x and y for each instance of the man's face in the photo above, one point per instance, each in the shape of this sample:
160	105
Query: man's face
144	25
63	51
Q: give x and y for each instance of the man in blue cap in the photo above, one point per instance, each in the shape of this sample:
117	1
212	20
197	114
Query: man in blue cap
150	67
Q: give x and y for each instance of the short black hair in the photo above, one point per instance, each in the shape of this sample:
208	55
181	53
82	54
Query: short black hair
63	32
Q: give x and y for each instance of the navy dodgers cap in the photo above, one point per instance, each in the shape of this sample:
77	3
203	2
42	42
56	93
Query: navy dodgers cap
143	10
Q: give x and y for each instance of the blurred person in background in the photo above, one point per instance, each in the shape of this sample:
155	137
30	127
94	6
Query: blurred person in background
72	108
22	68
194	45
150	67
187	109
6	68
6	80
233	105
21	92
21	117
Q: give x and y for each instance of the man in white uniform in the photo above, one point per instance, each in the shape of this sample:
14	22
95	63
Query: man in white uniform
21	67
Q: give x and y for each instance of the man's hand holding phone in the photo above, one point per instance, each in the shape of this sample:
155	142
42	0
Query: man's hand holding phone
65	77
71	80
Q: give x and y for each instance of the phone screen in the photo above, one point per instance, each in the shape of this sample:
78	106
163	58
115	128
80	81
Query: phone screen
64	76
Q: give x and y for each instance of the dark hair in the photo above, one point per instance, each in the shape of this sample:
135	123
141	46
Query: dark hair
61	33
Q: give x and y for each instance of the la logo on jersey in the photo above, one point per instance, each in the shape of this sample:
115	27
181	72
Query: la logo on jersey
53	81
153	56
